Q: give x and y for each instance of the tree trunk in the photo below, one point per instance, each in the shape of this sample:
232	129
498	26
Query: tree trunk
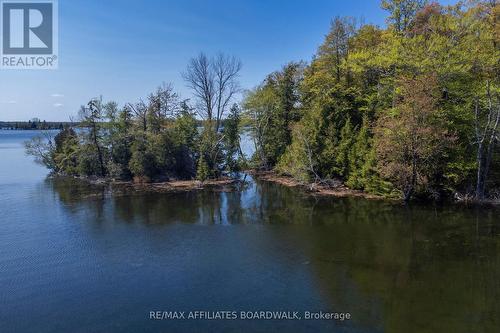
486	143
483	162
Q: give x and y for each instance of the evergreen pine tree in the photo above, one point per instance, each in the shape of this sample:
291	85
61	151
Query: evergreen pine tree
203	171
342	156
358	156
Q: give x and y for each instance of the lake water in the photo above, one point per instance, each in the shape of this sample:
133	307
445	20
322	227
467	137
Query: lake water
73	258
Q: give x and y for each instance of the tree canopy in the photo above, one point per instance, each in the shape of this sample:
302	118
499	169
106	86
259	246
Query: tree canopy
410	110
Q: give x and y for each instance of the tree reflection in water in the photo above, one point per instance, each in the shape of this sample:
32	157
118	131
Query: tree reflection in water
397	268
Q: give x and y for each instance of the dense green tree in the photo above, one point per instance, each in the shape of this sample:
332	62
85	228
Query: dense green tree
92	161
185	140
143	163
376	108
211	149
272	108
342	152
231	135
358	156
66	152
203	170
119	140
163	105
147	142
435	69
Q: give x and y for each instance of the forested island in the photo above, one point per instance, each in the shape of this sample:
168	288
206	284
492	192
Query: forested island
410	111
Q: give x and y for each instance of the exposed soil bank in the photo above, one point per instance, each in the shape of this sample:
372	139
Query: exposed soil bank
227	184
338	189
224	184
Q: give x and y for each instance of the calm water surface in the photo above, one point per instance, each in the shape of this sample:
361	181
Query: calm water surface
76	259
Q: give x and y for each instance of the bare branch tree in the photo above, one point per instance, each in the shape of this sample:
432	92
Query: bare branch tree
226	71
214	83
200	78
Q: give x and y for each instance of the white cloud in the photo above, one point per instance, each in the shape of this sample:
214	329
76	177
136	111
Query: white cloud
8	102
56	95
58	105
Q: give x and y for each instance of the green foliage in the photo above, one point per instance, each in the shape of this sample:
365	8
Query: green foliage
93	151
299	160
185	141
42	149
119	141
154	141
143	163
211	150
344	150
203	170
410	109
231	133
185	130
65	155
359	164
397	110
272	108
402	12
411	139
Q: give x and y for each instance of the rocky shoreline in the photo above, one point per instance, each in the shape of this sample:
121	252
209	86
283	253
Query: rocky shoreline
338	189
225	184
229	184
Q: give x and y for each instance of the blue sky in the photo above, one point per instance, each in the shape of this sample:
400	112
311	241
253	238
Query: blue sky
123	49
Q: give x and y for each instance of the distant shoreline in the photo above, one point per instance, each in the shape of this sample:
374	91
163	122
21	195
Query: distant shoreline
35	125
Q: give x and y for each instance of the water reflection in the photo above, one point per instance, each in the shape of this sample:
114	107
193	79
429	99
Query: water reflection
396	268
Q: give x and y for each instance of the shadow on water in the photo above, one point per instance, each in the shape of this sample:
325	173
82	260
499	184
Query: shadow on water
395	268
